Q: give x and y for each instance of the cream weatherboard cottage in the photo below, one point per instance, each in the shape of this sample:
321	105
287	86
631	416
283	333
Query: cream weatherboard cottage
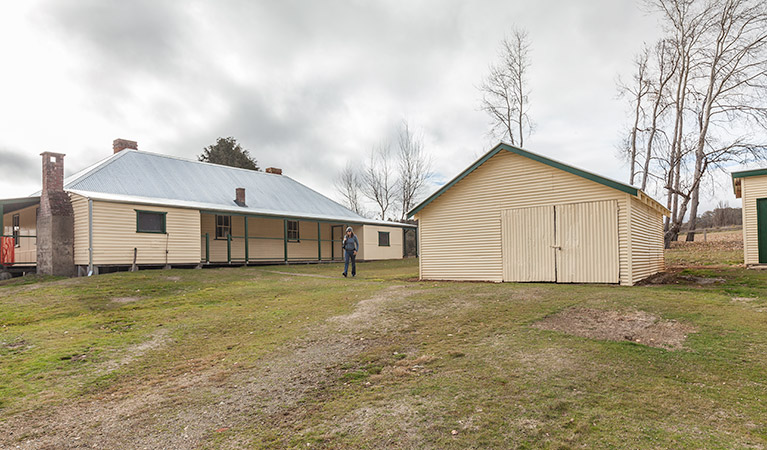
149	209
751	187
515	215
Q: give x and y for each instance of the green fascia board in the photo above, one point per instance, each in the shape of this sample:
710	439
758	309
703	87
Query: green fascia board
745	174
749	173
535	157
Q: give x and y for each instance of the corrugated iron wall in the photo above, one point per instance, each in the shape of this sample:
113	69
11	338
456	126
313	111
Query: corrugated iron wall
587	241
646	241
528	244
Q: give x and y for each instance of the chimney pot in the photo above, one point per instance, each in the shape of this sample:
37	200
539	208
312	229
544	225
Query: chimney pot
239	197
274	170
119	145
53	172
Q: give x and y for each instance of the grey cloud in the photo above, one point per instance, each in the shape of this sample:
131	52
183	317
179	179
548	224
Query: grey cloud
18	166
120	37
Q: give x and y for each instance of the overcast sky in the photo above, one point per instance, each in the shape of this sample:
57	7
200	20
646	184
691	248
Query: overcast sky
305	85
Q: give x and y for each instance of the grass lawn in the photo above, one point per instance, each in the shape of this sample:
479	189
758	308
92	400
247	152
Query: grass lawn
297	356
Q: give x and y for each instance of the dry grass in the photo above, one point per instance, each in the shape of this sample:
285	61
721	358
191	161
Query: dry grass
721	249
237	358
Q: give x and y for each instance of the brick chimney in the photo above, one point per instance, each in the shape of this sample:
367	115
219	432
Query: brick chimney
55	221
274	170
239	196
119	145
53	172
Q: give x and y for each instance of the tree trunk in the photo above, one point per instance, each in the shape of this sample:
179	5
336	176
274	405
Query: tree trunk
693	215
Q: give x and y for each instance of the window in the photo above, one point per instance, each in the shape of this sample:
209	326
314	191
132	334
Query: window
16	230
293	230
383	239
223	226
150	222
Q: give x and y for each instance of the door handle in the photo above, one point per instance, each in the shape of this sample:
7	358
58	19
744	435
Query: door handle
556	247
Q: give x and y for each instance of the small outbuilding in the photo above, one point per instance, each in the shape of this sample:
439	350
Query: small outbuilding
751	186
518	216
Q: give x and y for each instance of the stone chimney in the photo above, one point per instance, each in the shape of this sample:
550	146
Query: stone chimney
55	221
119	145
239	196
274	170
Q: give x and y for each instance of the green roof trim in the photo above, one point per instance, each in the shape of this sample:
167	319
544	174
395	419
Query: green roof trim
745	174
535	157
749	173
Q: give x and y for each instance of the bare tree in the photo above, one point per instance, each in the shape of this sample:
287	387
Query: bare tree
637	92
706	107
665	68
735	63
505	93
379	182
413	165
349	185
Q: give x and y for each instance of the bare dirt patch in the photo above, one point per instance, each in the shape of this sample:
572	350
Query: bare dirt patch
635	326
675	276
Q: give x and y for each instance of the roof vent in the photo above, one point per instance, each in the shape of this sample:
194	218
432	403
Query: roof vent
274	170
119	145
239	196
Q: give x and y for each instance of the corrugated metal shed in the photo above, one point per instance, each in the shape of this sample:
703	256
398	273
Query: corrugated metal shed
141	177
518	216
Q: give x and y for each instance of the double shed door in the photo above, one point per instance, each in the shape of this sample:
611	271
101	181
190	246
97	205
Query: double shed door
573	243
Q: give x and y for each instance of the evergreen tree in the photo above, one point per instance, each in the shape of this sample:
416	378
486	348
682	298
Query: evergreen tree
227	152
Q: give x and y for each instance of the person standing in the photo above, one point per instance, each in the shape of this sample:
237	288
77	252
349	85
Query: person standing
350	245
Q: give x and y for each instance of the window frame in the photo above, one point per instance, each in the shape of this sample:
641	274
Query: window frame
388	238
16	230
164	216
217	226
297	237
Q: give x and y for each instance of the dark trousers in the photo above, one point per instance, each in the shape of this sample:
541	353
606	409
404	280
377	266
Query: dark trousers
349	255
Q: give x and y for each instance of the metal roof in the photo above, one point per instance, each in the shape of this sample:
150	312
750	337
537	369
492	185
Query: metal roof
632	190
133	176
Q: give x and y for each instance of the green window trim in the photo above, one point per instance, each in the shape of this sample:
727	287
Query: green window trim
160	213
293	231
216	226
388	238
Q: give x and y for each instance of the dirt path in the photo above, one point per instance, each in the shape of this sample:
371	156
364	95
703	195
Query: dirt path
188	410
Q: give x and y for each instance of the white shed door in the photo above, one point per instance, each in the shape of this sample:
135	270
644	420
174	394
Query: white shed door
528	244
587	242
